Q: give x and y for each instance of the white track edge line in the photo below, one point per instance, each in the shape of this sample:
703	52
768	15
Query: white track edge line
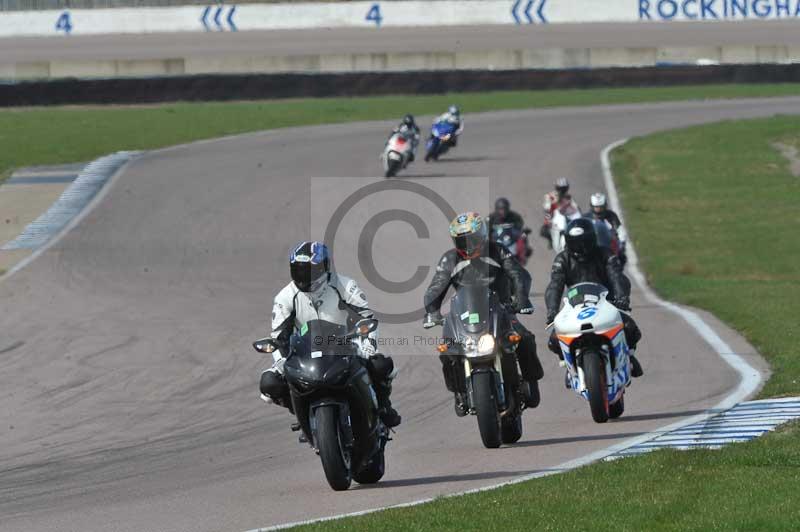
749	382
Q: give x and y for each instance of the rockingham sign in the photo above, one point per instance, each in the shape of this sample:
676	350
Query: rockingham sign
371	14
666	10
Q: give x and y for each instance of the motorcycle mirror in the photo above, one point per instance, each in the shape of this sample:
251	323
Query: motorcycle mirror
265	345
366	326
527	230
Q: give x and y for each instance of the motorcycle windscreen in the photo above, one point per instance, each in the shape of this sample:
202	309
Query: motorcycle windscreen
319	338
471	308
319	354
585	293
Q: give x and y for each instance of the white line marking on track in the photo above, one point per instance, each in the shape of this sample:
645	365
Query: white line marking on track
750	377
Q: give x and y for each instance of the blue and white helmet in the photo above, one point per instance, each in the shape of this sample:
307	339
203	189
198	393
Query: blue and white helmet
454	111
309	263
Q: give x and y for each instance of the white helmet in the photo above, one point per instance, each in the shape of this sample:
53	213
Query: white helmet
598	200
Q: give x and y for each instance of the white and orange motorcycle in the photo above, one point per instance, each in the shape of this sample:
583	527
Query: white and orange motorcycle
591	334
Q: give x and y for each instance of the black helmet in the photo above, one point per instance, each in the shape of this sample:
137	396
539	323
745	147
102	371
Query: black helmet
408	120
501	208
309	263
502	204
581	239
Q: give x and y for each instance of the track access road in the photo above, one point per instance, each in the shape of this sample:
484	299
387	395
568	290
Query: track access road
128	382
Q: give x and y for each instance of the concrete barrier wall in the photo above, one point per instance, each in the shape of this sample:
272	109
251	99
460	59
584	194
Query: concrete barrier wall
225	17
556	58
271	86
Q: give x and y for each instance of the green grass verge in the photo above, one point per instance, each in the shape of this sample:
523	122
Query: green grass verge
73	134
713	212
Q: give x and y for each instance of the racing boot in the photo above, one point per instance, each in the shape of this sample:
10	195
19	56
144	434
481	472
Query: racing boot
388	414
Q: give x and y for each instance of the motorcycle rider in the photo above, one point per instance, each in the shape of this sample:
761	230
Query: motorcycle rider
583	261
409	129
475	256
600	211
559	198
452	116
316	292
504	215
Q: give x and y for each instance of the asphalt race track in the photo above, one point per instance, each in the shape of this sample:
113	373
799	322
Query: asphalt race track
431	39
128	384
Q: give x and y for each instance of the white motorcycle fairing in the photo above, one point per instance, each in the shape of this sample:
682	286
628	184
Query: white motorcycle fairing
396	154
587	321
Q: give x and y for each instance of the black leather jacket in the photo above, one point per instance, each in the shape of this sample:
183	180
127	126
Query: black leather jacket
608	216
512	217
603	268
496	265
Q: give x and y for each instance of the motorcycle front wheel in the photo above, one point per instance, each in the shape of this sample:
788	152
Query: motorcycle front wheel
392	168
484	394
373	471
511	428
594	374
335	459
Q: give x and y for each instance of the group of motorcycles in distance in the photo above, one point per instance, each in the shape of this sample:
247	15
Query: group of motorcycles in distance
333	396
400	149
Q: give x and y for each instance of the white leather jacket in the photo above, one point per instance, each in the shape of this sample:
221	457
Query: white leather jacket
339	300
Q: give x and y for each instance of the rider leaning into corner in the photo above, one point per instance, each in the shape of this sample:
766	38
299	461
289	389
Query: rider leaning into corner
409	129
584	261
476	257
317	293
600	211
452	116
558	198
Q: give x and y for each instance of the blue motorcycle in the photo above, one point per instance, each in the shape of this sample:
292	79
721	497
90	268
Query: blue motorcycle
443	136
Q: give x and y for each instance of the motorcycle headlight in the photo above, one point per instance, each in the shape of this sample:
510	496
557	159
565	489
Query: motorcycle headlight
486	344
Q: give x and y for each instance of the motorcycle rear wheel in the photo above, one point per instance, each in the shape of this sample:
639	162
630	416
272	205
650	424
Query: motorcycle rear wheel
594	373
335	461
484	394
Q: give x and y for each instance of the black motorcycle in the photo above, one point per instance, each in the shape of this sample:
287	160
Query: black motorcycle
480	336
334	400
514	240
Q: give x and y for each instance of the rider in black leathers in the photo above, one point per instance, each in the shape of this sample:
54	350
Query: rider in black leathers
479	258
583	261
504	215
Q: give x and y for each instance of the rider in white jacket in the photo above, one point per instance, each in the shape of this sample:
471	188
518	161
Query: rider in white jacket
316	293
